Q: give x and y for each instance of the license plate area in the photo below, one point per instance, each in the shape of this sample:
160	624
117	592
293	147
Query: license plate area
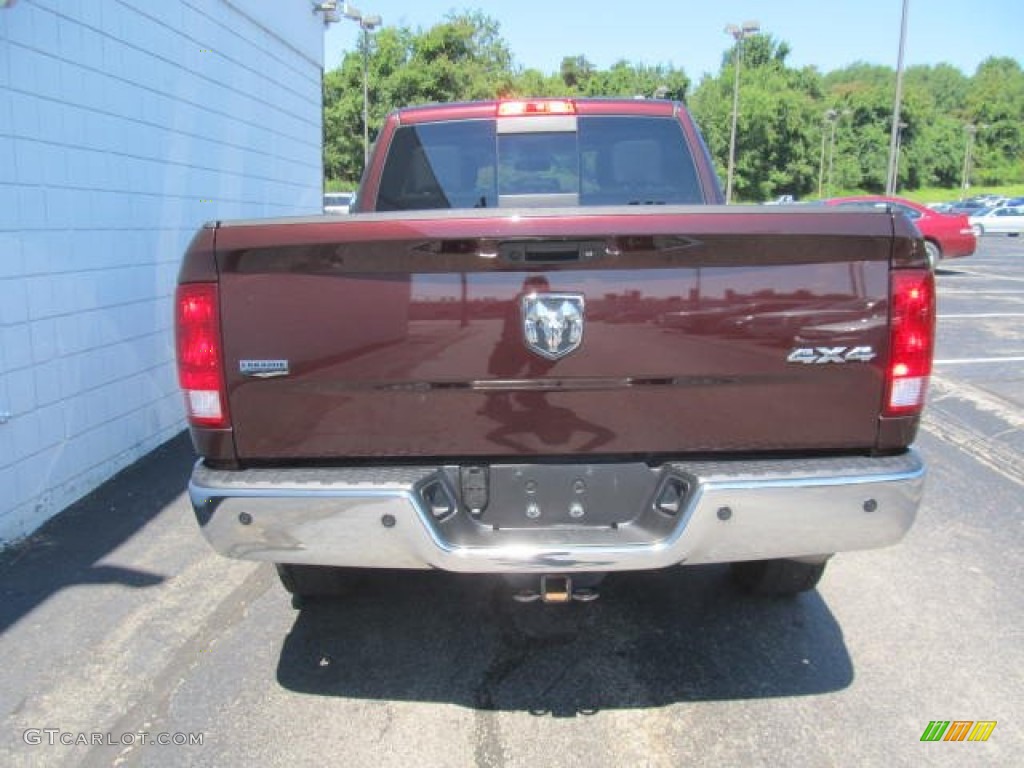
531	496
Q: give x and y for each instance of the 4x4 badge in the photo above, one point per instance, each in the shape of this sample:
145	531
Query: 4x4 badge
553	323
824	355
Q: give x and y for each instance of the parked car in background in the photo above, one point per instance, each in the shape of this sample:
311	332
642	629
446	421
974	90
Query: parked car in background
337	202
992	201
967	206
946	235
1004	220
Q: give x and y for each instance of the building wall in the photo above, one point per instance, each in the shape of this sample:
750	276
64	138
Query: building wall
125	124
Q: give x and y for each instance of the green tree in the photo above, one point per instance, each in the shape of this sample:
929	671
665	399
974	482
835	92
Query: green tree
782	123
936	99
996	105
777	137
460	59
632	80
576	72
463	58
862	95
533	82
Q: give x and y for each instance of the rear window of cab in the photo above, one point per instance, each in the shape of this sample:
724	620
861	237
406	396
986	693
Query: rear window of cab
601	160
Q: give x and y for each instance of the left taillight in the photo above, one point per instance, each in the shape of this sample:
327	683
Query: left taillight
200	354
911	341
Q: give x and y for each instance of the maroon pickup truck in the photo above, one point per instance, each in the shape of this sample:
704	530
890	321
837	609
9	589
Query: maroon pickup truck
542	347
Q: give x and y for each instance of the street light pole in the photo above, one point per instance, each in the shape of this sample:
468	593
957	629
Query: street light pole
366	93
366	24
890	180
739	34
830	117
972	130
821	162
833	118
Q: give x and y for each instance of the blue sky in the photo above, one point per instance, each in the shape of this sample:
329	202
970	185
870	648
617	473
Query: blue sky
827	34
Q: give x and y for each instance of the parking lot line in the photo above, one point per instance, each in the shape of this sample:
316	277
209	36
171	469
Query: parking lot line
980	315
972	360
990	276
978	291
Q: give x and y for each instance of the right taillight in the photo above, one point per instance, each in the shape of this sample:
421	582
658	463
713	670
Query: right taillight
911	341
200	367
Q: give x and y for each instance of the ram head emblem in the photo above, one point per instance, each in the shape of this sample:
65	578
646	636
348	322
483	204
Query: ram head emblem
553	323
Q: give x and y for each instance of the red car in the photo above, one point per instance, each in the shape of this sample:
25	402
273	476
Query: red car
946	236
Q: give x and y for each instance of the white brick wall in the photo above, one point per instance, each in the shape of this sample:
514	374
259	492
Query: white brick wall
124	124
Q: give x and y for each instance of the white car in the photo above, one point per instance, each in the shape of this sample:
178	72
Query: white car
1008	220
337	202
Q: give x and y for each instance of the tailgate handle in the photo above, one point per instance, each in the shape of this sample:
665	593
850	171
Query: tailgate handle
549	252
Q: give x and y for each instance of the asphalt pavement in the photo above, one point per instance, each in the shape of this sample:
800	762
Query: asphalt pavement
117	620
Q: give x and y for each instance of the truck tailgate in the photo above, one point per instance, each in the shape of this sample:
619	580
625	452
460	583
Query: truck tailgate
703	330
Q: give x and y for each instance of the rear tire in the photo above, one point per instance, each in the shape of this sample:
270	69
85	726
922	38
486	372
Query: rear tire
933	253
304	581
778	578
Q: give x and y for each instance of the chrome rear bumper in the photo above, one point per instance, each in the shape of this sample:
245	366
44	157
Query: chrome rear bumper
731	511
